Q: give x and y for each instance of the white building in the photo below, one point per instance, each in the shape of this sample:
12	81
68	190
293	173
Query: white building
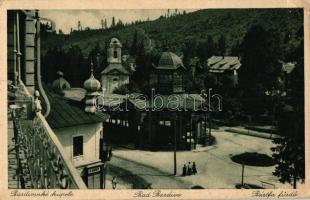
79	131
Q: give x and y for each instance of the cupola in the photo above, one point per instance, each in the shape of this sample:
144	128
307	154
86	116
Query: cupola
91	85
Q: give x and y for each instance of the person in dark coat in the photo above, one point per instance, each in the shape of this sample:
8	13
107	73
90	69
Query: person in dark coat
194	168
184	170
189	170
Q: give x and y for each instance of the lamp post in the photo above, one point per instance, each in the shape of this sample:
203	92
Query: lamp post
175	145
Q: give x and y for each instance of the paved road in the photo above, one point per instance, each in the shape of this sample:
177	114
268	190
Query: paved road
215	168
137	175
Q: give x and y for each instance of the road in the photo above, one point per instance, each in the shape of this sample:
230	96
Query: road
215	168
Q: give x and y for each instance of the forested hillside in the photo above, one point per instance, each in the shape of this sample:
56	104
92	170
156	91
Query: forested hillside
195	27
262	38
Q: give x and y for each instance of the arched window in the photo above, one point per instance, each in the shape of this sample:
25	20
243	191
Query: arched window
115	54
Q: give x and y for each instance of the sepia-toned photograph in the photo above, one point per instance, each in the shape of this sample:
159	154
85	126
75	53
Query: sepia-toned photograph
155	99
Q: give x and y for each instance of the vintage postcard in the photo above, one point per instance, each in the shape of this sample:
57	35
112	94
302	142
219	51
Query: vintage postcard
154	99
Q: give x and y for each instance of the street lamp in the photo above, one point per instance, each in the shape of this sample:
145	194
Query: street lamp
175	145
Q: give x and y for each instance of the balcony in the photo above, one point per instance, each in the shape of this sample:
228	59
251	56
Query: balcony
35	155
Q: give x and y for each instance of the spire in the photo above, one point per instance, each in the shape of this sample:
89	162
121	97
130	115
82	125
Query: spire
91	85
91	68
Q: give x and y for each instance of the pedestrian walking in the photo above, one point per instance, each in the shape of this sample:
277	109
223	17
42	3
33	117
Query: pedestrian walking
189	170
194	169
184	170
114	183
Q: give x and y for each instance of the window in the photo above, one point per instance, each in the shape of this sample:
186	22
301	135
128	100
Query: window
115	54
78	146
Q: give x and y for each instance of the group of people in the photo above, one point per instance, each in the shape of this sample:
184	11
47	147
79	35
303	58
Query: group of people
189	169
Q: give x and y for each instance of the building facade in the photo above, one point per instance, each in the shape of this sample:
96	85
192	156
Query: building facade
168	118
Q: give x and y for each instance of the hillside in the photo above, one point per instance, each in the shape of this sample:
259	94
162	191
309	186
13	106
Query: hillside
192	27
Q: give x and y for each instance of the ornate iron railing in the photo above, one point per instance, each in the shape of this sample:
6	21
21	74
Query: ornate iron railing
47	163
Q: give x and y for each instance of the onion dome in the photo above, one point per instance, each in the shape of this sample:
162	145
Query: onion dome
92	84
60	83
169	60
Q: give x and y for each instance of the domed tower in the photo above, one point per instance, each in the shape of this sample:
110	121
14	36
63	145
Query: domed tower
60	83
168	75
92	86
115	51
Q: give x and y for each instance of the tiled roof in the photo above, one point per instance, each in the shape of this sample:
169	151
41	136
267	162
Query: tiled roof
115	66
66	113
219	64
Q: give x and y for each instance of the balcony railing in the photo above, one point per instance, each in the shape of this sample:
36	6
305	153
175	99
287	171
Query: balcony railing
47	163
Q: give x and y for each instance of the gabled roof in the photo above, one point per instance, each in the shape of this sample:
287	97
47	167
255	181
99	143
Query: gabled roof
115	66
66	113
219	64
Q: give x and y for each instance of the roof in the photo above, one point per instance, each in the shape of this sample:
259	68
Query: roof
60	84
288	67
219	64
115	66
66	113
169	60
75	94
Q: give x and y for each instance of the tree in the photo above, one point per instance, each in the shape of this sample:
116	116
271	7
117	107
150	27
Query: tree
141	75
102	24
113	22
289	152
222	46
133	47
260	67
210	47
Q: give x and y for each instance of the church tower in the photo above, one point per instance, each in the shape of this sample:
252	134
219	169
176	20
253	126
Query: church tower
115	74
115	51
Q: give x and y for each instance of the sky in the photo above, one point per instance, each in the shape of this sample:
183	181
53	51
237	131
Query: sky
67	19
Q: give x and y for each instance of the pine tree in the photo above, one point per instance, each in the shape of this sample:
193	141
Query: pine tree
102	24
113	22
